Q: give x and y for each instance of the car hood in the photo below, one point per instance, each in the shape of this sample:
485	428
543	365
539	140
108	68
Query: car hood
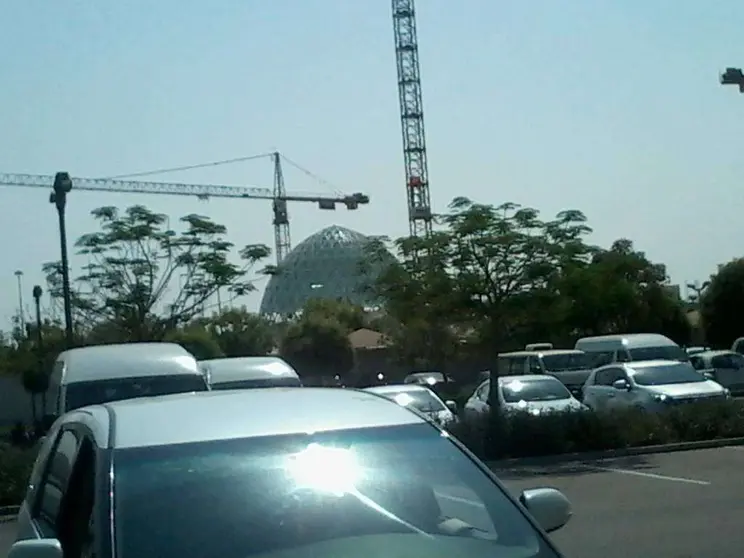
540	407
708	387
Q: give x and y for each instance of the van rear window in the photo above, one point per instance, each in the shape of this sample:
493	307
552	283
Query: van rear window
669	352
81	394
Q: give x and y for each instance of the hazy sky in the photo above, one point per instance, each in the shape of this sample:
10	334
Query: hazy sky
612	107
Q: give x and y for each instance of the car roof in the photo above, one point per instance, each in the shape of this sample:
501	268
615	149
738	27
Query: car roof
636	339
223	370
543	352
711	354
527	378
231	414
639	364
126	360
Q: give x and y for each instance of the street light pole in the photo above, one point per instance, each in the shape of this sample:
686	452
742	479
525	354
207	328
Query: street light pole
21	319
62	186
37	292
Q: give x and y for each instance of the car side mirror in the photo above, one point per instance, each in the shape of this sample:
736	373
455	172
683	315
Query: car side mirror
36	548
621	385
451	405
709	375
550	508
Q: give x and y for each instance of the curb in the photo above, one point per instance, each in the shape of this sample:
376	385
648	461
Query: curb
609	454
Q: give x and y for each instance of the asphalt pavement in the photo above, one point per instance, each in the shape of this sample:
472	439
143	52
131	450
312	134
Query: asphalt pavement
673	505
7	536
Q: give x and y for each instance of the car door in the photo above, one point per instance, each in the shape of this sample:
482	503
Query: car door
728	371
478	403
617	398
61	507
601	395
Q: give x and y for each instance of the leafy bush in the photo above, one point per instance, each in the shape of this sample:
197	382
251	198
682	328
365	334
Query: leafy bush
15	469
526	435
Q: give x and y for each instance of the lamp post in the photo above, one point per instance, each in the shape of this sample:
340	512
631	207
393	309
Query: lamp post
37	292
21	319
733	76
62	187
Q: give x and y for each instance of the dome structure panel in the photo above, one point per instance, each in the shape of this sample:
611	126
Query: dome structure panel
324	265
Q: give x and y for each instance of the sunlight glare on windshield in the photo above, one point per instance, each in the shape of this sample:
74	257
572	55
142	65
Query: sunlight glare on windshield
403	399
325	469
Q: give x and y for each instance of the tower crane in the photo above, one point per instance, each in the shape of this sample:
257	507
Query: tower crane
412	118
278	195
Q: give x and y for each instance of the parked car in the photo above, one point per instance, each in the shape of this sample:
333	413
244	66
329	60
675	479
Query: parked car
650	385
420	398
249	372
630	347
102	373
533	393
570	366
725	367
287	472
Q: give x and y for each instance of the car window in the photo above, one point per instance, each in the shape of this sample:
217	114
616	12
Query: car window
668	352
57	475
697	362
483	390
81	394
600	358
680	373
395	491
609	376
548	389
287	381
516	366
566	361
734	361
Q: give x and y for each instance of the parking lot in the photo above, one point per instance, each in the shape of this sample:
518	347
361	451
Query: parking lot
673	505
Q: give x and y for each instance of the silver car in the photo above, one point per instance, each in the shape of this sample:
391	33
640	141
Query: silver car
290	472
651	385
420	398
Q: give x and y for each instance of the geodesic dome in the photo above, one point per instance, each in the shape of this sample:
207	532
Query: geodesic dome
324	265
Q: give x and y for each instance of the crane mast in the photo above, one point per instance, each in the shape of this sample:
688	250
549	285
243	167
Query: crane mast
412	118
279	195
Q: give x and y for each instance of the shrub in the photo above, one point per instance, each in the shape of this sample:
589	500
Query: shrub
15	469
526	435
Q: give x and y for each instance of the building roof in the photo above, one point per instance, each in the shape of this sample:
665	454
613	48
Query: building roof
327	264
224	415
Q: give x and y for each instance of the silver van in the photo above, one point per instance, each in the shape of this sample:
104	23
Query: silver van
104	373
630	347
571	366
249	372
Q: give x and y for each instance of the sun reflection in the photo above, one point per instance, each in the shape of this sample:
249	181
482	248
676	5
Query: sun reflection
403	399
326	469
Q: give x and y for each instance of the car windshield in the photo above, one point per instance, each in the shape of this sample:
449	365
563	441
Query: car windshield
429	378
669	352
565	362
548	389
376	492
288	381
681	373
421	399
81	394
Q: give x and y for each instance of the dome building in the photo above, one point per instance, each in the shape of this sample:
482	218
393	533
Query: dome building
324	265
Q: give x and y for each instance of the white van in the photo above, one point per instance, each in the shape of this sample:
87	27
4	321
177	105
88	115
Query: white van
104	373
249	372
630	347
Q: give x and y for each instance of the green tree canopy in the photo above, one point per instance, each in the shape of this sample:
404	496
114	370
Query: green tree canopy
721	305
144	278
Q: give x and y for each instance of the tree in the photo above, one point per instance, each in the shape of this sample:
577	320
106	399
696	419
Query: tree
196	340
620	290
482	273
240	333
317	347
721	304
144	278
350	316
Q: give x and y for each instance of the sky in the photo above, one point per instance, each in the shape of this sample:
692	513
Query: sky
613	108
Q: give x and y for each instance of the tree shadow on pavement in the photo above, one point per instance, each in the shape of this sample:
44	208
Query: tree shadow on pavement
572	468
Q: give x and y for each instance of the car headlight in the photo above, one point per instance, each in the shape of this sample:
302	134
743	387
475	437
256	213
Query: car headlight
535	412
661	398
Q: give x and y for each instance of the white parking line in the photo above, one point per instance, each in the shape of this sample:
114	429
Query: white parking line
473	503
652	476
